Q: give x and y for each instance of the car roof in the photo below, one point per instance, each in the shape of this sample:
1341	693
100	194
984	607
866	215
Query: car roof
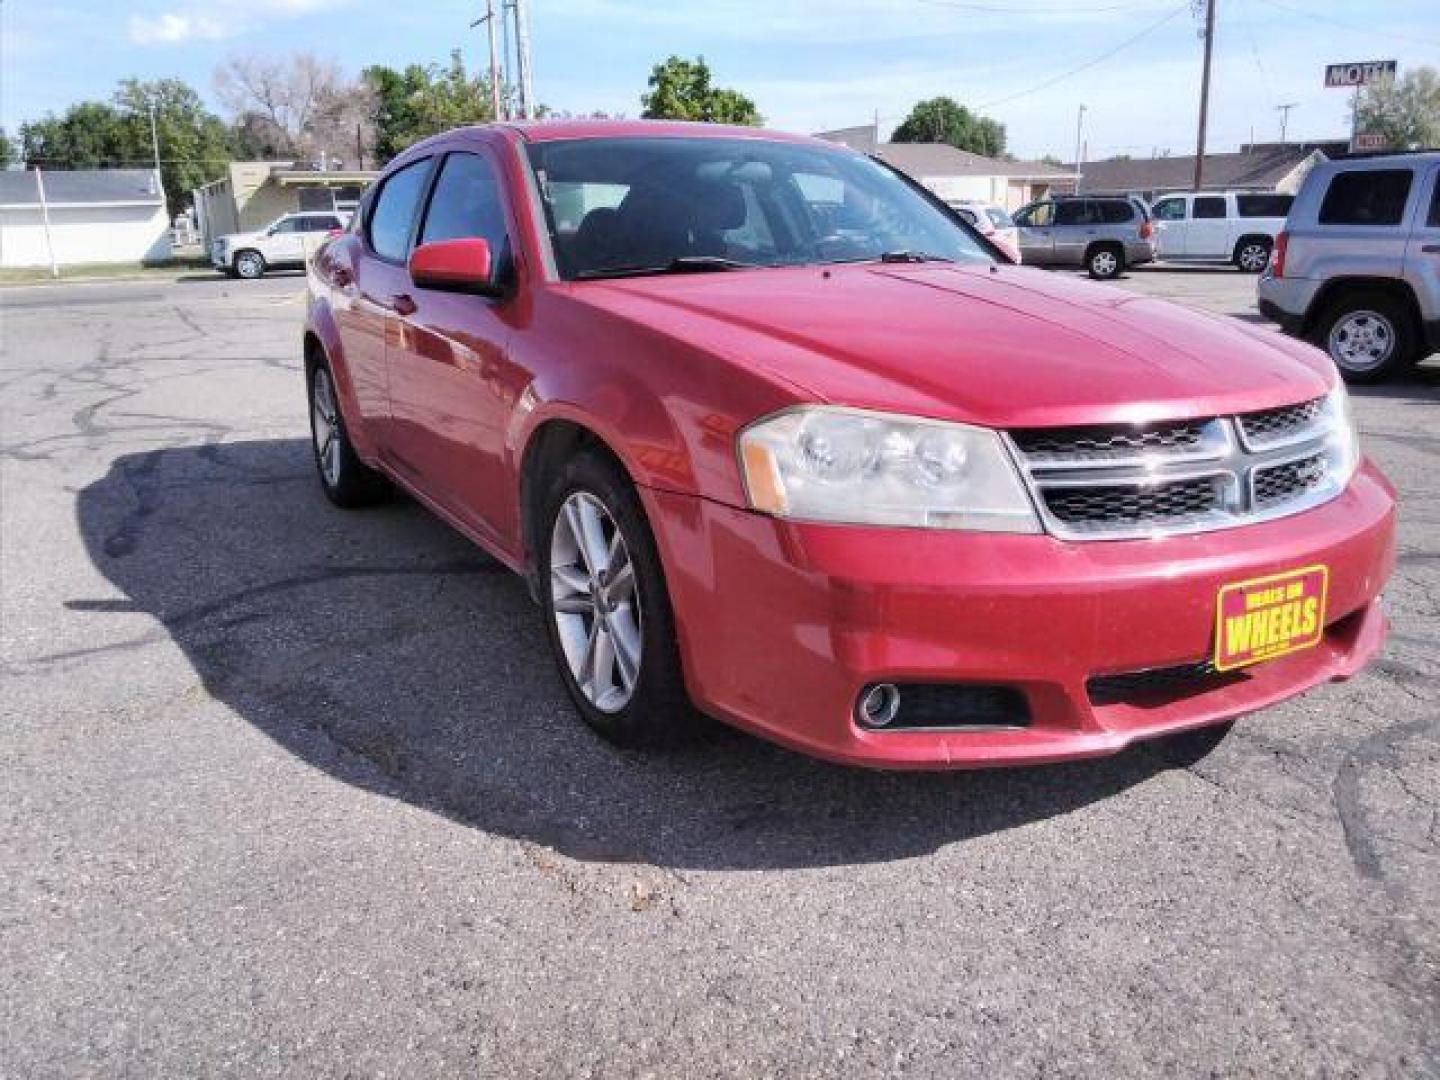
554	130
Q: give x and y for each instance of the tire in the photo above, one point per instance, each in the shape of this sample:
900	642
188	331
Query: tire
1370	336
249	264
1252	255
593	620
346	480
1105	261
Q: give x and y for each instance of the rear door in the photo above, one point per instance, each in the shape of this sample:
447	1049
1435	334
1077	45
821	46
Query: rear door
1075	227
1422	254
285	243
1034	223
1208	236
452	386
1172	221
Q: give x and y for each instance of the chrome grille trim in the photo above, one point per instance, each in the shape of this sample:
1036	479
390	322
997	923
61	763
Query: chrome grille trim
1098	491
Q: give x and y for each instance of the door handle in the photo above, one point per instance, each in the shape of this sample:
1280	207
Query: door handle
404	304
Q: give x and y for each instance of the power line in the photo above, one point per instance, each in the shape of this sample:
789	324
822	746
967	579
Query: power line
1008	9
1089	63
1372	29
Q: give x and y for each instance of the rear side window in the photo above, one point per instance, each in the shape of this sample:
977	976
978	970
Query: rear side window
1433	221
1263	205
1366	197
1073	212
1210	206
321	224
1114	212
394	211
466	204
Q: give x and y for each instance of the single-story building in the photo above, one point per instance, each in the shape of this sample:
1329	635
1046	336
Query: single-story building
1278	167
958	175
252	194
95	216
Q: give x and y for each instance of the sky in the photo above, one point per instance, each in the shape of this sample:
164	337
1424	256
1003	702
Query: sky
810	65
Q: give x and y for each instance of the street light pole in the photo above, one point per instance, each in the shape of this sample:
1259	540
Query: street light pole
489	20
1079	127
522	60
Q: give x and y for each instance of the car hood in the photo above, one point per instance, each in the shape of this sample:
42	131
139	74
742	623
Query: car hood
240	238
1003	345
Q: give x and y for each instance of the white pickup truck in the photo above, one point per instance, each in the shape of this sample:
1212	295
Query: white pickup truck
288	241
1224	226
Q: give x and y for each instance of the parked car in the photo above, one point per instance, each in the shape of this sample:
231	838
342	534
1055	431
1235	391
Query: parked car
769	432
1226	226
992	222
1102	234
1357	269
285	243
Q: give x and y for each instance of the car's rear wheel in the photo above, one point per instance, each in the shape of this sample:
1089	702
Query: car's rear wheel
1370	336
249	264
607	610
1105	261
1251	256
347	481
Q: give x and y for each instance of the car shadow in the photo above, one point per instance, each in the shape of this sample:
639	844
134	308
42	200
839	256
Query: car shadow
386	650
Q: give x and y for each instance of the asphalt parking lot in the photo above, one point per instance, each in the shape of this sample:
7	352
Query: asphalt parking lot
295	792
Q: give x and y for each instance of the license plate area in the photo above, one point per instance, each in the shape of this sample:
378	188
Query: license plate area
1270	616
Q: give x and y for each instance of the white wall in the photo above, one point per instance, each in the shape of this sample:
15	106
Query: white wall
84	234
956	188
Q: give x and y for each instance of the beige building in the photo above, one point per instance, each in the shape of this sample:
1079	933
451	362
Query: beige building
252	194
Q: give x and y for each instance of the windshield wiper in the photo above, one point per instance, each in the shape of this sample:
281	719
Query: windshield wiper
683	264
907	256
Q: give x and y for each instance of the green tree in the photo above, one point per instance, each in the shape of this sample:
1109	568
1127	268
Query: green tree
945	120
8	149
194	143
421	101
680	90
1406	111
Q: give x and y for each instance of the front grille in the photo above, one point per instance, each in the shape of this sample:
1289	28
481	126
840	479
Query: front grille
1181	680
1278	425
1133	505
1127	481
1111	441
1280	483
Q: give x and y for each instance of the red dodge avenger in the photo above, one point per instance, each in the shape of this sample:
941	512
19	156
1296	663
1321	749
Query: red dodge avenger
774	434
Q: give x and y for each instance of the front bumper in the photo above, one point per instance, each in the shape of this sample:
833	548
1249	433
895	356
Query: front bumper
782	625
1139	252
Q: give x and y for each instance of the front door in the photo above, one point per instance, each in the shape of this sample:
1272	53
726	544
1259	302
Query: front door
1209	235
1075	221
1034	223
453	387
285	243
1172	223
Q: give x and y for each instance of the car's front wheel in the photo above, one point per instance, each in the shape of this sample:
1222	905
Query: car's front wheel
607	610
250	264
1105	261
348	482
1370	336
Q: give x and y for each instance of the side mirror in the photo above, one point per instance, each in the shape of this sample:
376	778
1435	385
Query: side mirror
464	265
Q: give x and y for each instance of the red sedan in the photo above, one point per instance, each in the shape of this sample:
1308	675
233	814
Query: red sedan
773	434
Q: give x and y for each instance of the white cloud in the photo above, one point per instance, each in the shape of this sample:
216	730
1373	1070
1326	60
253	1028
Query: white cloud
218	20
173	28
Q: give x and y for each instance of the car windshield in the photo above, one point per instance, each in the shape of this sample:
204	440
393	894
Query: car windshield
654	205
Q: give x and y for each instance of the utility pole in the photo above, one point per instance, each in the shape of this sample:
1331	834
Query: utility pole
522	57
1284	111
1204	95
45	221
489	20
1079	149
154	138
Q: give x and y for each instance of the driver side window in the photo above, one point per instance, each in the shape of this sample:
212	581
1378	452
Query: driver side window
1170	210
1038	216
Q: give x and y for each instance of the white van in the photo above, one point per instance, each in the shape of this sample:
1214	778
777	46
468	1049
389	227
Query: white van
1225	226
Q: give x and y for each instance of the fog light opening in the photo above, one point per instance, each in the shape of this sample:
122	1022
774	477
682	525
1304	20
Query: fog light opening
879	705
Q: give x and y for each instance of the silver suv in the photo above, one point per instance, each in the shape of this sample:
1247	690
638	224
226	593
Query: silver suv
1103	234
1357	268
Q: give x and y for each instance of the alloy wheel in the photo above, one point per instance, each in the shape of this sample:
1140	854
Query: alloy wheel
1362	340
1253	257
1104	263
595	603
325	426
249	265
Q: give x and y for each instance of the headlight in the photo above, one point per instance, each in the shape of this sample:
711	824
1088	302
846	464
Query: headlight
1342	442
822	463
